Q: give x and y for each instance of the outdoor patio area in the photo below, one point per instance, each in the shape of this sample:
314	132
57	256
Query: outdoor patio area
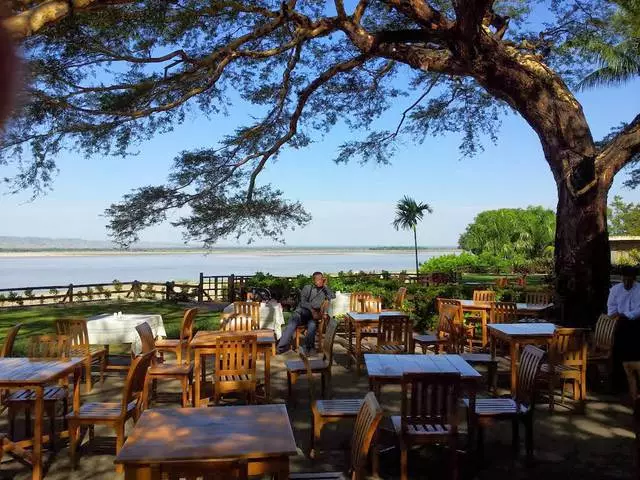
596	445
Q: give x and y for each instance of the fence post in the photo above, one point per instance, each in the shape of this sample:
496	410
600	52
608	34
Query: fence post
231	287
201	288
70	293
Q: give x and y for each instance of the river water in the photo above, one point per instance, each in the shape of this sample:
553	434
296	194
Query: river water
49	270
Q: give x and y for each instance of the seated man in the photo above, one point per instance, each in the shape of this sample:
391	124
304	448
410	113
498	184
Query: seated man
307	312
624	298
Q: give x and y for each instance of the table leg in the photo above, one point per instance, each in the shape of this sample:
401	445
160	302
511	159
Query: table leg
196	378
283	470
137	472
77	380
267	375
513	352
37	438
358	347
473	419
350	340
484	328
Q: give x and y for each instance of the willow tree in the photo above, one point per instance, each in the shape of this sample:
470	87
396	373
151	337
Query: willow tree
108	74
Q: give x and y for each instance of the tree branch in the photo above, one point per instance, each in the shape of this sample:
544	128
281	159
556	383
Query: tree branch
30	22
421	12
617	153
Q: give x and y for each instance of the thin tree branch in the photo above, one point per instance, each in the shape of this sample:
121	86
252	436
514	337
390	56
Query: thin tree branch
617	153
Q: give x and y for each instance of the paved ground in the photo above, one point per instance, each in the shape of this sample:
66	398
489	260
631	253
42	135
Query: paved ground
596	445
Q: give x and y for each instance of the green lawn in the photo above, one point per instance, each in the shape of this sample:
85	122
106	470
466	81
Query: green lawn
40	320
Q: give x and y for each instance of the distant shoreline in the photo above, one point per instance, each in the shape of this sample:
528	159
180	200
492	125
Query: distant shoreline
262	251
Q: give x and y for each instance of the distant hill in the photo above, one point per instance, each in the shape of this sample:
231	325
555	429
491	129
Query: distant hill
44	243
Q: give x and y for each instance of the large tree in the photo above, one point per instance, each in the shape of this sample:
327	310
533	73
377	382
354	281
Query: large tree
105	74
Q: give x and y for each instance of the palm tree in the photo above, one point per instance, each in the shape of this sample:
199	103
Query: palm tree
620	62
408	214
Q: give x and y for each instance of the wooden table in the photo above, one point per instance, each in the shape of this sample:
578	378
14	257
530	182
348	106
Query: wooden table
203	343
522	309
356	322
516	334
261	434
35	374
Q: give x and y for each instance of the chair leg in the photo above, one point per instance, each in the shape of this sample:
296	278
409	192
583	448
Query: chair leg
291	379
316	430
119	442
11	413
480	435
404	460
454	458
551	393
73	443
27	423
103	367
87	373
51	412
185	390
529	438
515	436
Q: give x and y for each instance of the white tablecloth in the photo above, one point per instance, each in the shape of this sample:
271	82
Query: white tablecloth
271	315
340	304
112	329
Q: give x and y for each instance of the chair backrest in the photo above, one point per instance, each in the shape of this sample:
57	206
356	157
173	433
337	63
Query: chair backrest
248	308
48	346
502	282
186	327
449	314
448	302
430	399
538	298
356	301
372	305
484	296
604	334
394	330
632	369
569	347
146	337
398	300
236	355
209	470
135	384
364	428
328	339
456	335
530	362
9	340
239	322
503	312
76	329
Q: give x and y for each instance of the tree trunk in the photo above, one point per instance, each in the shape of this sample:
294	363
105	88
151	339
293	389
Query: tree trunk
582	255
415	244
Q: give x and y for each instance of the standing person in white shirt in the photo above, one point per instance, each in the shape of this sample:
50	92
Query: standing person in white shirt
624	305
624	298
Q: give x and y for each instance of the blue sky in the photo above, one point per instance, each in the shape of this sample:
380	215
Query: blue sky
350	204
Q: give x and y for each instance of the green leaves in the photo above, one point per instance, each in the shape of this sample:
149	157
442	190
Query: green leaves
624	218
409	213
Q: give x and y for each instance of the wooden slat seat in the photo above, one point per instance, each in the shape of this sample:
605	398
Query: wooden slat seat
101	411
547	368
319	476
182	371
420	429
342	407
167	343
179	346
298	365
427	340
496	406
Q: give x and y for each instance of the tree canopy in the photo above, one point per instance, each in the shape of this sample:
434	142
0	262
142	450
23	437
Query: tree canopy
511	233
624	218
105	75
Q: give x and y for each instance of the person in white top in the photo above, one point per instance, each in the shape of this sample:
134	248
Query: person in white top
624	298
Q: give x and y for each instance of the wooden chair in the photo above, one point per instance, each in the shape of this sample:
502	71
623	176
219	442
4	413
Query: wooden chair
320	327
326	411
239	322
114	415
448	311
9	341
484	296
538	298
393	335
321	365
178	345
600	352
235	366
162	371
248	308
357	301
503	312
567	357
429	414
398	299
365	427
209	470
41	346
76	329
518	409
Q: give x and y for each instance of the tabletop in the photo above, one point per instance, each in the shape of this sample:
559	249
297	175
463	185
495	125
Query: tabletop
208	338
192	434
115	329
393	366
373	317
524	329
32	371
532	307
